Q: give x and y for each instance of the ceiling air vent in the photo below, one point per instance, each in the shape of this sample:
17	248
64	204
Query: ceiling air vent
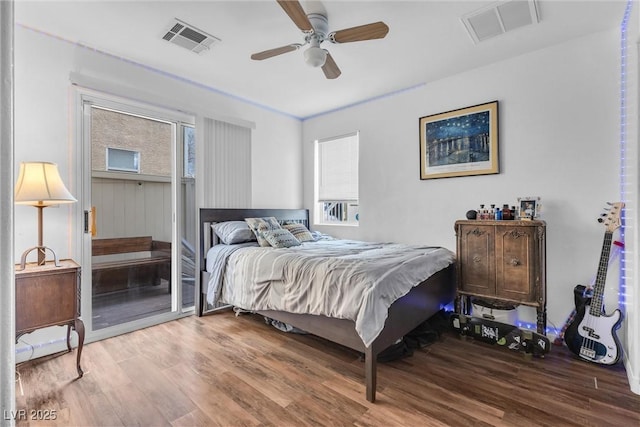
498	18
189	37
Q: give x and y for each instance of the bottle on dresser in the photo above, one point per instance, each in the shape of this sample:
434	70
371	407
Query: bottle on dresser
506	212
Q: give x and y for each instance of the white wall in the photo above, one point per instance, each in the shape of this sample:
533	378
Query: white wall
45	130
558	137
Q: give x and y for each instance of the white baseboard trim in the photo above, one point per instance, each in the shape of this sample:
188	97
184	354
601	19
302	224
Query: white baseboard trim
26	352
632	377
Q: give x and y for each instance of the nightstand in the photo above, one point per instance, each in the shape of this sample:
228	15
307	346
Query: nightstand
47	295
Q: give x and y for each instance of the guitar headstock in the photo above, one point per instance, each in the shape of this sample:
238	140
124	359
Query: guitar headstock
612	219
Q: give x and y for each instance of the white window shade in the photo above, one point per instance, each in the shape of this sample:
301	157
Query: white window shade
338	169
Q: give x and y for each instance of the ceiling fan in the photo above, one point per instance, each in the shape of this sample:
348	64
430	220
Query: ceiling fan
315	28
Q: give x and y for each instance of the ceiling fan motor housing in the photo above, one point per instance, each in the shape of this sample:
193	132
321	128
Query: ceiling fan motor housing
320	25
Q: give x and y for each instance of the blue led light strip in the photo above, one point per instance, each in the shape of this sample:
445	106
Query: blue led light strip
623	144
32	347
522	325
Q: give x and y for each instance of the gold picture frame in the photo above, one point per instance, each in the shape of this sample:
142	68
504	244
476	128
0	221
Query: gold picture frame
460	142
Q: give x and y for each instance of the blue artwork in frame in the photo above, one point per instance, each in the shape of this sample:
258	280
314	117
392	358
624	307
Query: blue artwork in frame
460	142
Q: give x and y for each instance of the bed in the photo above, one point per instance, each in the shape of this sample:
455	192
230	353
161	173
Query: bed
404	314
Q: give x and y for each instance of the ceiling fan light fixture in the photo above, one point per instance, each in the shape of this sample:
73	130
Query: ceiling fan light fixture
315	28
315	56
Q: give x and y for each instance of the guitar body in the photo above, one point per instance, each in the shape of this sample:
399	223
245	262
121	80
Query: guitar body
593	338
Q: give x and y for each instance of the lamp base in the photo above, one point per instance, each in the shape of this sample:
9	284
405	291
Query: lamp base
41	256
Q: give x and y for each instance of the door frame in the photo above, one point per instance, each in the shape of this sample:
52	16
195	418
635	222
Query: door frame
84	98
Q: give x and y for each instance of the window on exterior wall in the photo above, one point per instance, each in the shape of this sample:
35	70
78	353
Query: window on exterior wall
189	147
123	160
336	194
131	140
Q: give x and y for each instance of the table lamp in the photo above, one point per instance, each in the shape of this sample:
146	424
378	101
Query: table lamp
39	184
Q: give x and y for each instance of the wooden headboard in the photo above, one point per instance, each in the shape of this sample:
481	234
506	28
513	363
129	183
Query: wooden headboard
210	216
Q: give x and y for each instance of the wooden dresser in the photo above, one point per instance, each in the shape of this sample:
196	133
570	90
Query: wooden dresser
47	295
502	261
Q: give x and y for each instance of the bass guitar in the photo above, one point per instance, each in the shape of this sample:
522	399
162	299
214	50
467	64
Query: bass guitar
592	333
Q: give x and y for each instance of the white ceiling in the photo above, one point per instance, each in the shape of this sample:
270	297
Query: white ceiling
427	41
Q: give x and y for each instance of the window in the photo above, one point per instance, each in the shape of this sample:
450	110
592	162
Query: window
189	141
123	160
337	180
127	139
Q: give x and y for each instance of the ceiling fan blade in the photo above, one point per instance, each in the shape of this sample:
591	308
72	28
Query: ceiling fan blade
297	14
274	52
331	70
376	30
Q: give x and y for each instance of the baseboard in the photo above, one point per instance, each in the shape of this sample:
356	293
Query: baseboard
33	349
632	377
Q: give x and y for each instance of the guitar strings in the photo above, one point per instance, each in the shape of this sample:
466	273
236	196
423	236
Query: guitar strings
596	306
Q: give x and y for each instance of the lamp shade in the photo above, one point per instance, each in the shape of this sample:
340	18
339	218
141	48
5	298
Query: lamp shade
39	184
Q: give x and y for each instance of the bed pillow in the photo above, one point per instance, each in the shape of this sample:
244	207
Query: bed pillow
301	232
233	232
280	238
260	225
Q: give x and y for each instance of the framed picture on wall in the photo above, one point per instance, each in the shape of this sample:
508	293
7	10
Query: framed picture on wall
461	142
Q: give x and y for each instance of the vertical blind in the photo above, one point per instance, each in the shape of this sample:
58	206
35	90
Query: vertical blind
226	164
338	169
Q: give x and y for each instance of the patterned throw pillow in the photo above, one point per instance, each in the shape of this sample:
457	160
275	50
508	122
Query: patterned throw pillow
300	231
280	238
233	232
260	225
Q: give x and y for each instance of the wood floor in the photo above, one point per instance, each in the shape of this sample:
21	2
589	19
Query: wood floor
237	371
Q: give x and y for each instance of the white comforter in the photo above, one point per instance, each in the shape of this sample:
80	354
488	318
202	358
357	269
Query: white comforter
337	278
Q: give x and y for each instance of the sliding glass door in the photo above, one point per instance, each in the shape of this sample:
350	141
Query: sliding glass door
188	224
138	201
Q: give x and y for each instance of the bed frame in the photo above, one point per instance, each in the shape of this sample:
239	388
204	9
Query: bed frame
422	302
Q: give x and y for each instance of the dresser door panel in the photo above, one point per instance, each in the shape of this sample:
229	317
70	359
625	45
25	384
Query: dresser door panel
515	256
477	266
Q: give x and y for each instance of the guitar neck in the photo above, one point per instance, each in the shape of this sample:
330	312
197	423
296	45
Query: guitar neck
601	277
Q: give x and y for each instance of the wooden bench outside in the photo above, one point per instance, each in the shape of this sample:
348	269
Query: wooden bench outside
143	261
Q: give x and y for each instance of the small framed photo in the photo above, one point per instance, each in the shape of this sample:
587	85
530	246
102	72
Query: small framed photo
528	208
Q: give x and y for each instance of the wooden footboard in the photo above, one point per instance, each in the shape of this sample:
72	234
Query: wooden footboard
422	302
